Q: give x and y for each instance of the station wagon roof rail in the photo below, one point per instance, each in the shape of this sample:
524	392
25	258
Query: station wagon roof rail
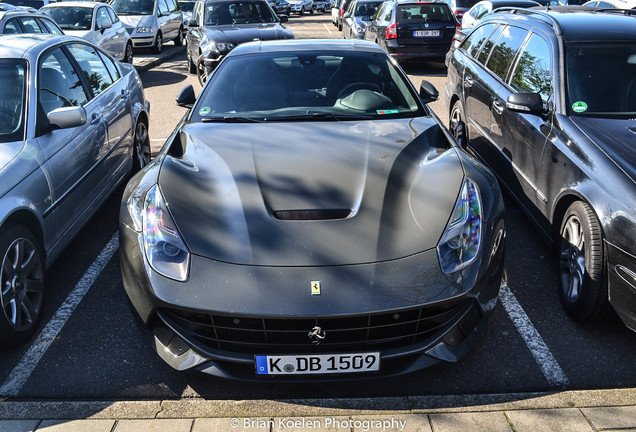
517	10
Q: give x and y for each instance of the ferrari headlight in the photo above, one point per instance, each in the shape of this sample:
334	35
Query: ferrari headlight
166	252
462	237
144	29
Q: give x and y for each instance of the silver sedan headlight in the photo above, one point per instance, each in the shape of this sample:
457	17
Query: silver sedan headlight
461	240
165	250
144	29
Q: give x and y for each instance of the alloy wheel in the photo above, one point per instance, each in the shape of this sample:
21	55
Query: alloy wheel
572	263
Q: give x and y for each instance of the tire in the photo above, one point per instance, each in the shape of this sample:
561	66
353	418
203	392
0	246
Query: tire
340	26
158	46
581	259
142	153
128	54
192	68
21	284
202	73
457	124
179	39
312	10
302	10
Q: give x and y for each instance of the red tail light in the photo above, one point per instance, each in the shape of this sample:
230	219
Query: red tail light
391	32
342	11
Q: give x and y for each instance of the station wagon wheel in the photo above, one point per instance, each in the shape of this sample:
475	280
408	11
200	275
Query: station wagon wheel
158	43
142	152
128	54
21	284
583	291
456	124
202	72
179	39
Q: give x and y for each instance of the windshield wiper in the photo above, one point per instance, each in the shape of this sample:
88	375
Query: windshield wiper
231	119
321	116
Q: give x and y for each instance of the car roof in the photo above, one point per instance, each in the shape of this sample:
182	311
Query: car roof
17	46
295	45
575	24
86	4
620	4
520	3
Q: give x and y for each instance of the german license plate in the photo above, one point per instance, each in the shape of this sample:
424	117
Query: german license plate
317	364
426	33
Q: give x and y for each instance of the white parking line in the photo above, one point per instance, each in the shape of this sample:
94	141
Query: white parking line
327	28
540	351
20	374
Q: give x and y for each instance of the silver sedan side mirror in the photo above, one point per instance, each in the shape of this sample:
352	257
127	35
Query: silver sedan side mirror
67	117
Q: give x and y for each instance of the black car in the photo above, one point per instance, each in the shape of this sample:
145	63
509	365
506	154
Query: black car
548	100
413	29
217	26
281	7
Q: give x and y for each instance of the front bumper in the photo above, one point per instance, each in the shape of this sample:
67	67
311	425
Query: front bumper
221	318
142	42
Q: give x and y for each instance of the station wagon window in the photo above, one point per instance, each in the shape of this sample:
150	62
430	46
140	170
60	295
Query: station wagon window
52	28
424	12
12	27
12	99
92	66
59	85
30	25
532	74
506	50
488	45
476	39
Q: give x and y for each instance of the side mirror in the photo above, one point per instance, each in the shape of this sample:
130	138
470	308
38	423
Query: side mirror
530	103
346	15
193	23
428	92
105	26
186	97
283	19
67	117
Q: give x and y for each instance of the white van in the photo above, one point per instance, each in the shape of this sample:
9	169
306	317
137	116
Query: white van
150	23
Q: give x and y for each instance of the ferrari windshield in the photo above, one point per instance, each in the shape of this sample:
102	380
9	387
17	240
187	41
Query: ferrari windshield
307	86
238	12
12	100
595	72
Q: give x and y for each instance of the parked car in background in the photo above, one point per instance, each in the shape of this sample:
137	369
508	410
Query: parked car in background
335	12
302	6
612	4
73	126
460	7
341	9
29	5
18	21
186	7
373	249
217	26
413	30
475	13
150	23
533	94
323	5
357	16
281	7
96	22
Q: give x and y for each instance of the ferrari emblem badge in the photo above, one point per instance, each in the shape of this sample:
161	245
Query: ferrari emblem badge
315	287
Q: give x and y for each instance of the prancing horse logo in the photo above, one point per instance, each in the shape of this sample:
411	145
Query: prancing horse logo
317	335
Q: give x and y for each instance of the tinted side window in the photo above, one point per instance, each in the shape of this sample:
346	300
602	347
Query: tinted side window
533	71
59	85
505	50
92	66
486	48
477	38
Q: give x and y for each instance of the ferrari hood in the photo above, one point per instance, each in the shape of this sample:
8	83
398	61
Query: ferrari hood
240	33
347	193
616	137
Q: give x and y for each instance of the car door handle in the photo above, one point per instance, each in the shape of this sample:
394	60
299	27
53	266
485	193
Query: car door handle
125	94
96	117
468	81
498	106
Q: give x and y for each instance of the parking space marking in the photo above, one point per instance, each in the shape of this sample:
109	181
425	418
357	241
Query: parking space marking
540	351
327	28
20	374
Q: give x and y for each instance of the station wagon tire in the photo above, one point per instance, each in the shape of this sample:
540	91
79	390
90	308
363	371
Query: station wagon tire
158	47
178	41
202	72
192	68
128	54
21	284
582	284
457	125
142	152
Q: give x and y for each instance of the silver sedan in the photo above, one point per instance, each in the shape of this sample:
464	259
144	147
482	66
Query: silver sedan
73	125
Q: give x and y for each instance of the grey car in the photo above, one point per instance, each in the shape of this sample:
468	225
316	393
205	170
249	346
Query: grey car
73	124
19	21
317	223
355	19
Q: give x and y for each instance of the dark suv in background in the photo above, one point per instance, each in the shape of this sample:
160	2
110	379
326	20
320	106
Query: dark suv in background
547	99
409	29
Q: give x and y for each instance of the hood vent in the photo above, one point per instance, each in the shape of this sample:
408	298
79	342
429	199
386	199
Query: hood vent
312	215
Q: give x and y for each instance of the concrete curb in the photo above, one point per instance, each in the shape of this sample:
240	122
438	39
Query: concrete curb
200	408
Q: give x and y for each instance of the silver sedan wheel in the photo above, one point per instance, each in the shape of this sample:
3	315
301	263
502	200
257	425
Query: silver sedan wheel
22	284
142	146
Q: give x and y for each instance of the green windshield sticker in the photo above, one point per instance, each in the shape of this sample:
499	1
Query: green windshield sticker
390	111
579	107
204	111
